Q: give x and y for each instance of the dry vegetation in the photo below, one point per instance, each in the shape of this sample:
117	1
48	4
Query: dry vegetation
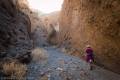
14	70
39	54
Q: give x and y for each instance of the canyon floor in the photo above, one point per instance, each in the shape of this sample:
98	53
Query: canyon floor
61	66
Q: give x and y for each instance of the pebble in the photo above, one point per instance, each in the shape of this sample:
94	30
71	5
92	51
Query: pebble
60	69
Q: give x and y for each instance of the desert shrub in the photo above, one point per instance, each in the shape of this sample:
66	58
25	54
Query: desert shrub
39	54
14	70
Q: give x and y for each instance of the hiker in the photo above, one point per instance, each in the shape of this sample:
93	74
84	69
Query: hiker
89	56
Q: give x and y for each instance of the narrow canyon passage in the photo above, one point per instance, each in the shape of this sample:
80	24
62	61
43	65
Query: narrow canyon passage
50	46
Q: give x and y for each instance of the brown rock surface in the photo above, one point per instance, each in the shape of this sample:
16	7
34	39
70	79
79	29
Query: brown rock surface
38	30
51	23
94	22
14	30
44	27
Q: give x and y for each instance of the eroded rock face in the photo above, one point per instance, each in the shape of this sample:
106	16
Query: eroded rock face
14	30
38	31
44	28
51	24
94	22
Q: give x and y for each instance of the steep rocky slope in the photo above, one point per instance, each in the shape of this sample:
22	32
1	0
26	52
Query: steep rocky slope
94	22
51	23
38	31
44	27
14	30
51	18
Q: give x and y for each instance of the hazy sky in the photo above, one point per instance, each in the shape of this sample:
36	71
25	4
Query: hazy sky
46	6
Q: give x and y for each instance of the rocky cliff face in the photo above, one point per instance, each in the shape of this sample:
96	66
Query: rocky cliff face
94	22
43	25
51	23
14	30
38	31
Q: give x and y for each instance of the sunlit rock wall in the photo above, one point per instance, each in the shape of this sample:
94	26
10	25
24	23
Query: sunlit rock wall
94	22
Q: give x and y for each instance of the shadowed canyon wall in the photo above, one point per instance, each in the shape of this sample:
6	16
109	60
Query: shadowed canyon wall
94	22
15	28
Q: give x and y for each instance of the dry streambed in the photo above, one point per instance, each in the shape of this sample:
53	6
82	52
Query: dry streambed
52	64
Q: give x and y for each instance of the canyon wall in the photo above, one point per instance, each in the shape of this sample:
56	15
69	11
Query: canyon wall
15	28
38	30
51	23
94	22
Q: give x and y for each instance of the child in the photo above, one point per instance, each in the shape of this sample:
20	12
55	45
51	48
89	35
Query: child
89	56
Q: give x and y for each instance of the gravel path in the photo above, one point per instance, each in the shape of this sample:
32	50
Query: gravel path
60	66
